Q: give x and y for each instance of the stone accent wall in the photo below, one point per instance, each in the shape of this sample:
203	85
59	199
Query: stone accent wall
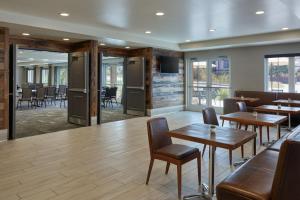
167	89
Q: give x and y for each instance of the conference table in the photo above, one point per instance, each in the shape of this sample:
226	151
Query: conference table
279	110
256	120
221	137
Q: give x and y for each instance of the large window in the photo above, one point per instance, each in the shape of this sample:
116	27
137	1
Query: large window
61	76
283	74
30	75
209	82
45	76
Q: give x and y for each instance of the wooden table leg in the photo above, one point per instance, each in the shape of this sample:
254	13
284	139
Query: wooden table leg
260	135
254	146
278	131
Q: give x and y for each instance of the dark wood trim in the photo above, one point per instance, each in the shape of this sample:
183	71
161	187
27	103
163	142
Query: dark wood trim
94	77
41	44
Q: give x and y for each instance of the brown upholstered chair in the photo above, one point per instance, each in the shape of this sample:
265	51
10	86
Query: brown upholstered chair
210	117
162	148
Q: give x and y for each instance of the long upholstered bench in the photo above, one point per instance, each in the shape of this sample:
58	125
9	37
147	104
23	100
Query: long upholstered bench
273	174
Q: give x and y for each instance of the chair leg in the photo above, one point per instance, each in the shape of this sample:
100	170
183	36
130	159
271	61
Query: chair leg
179	180
149	170
242	151
230	157
203	150
167	168
222	122
240	125
268	133
246	127
199	169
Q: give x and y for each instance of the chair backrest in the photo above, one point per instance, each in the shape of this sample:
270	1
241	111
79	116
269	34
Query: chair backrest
26	93
40	93
157	127
242	107
51	91
210	116
62	90
286	181
113	91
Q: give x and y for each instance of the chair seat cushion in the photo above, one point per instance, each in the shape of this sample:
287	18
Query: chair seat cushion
253	180
177	151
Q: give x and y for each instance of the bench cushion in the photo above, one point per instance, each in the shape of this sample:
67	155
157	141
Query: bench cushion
253	180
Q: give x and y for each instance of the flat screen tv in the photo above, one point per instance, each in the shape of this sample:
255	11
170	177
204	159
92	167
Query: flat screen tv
169	64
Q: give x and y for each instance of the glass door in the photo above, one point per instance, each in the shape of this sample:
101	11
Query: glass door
208	83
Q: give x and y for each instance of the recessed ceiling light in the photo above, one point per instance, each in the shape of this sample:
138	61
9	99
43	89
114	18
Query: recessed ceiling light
212	30
148	32
187	40
64	14
128	47
25	34
159	14
285	28
260	12
66	39
102	44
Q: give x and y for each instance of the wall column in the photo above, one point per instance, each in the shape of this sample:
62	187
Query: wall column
4	78
94	78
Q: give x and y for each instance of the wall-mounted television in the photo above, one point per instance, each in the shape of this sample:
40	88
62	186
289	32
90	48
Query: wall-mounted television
169	64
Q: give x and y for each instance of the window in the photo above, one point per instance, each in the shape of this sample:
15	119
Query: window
30	75
209	82
45	76
283	74
108	75
61	76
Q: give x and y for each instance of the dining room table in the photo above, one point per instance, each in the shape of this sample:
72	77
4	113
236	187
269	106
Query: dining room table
278	109
256	120
287	102
214	137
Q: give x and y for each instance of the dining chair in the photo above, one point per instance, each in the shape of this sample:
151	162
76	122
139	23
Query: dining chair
210	117
26	96
40	97
162	148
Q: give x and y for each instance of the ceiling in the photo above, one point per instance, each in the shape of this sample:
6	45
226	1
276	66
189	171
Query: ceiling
32	57
124	22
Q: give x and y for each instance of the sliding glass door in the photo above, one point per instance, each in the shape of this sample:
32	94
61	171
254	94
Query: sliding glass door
208	83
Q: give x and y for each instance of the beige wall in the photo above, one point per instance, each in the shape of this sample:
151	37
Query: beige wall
247	63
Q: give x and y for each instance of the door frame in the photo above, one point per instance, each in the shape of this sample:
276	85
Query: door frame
12	91
102	54
12	84
209	82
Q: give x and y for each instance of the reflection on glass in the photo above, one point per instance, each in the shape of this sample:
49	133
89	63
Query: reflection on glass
278	74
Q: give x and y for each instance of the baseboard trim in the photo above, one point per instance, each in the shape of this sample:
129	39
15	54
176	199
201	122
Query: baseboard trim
159	111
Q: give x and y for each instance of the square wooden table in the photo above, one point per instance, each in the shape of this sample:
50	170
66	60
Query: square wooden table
279	110
259	120
223	137
245	99
288	102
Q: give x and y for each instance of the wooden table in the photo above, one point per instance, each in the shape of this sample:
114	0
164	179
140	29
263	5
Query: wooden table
287	102
259	120
223	137
246	99
282	109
